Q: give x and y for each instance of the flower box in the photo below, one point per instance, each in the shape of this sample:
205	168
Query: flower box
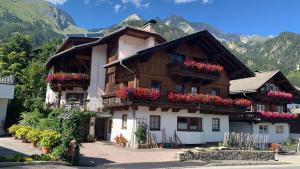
67	77
138	93
280	94
201	66
277	115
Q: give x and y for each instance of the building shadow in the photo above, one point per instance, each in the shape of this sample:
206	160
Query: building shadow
9	152
93	161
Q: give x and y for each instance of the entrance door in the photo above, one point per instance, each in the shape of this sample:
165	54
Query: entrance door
100	128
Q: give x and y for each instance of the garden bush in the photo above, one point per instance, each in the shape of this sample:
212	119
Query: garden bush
22	131
49	138
141	134
13	129
31	118
33	135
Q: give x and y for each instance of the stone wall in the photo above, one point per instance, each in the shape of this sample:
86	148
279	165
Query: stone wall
227	155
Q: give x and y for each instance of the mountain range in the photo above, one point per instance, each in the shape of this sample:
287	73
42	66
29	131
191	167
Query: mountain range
44	21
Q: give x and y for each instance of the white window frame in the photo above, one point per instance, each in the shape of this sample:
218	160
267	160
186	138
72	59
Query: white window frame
279	129
263	129
260	107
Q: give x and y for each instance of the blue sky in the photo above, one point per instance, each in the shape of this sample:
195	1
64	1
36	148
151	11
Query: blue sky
264	17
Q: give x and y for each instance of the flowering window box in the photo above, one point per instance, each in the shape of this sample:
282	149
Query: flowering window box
61	81
280	95
139	93
197	99
201	66
276	115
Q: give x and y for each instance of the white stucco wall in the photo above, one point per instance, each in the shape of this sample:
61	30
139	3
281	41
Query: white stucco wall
240	127
273	136
7	91
129	45
169	123
97	79
243	127
52	96
3	107
294	136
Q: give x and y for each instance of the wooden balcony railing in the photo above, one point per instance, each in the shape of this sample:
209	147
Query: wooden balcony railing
114	102
179	70
256	117
264	97
7	80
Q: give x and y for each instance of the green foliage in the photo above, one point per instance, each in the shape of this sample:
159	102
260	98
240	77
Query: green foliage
13	129
141	134
294	77
31	118
33	135
22	131
49	139
48	124
42	157
58	152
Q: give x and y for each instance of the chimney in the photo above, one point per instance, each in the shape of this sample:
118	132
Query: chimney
150	26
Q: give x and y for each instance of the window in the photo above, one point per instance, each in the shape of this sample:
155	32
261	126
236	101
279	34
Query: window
75	98
260	107
279	108
189	124
111	78
215	124
154	122
263	129
124	121
177	58
179	88
155	85
215	92
279	130
194	90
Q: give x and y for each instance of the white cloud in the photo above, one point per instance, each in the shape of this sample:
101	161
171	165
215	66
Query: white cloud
189	1
117	8
57	2
207	1
137	3
183	1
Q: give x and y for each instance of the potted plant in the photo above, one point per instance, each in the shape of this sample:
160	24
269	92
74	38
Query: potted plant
33	136
48	140
21	133
141	134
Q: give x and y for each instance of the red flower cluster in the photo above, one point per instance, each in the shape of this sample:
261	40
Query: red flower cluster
139	93
206	99
203	66
67	76
275	115
280	94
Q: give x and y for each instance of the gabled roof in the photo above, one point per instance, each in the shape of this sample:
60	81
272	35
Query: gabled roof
77	40
234	64
103	40
252	84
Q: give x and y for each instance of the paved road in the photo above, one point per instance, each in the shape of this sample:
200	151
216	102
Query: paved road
152	166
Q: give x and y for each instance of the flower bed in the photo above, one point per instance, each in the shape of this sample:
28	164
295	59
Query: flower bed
280	94
67	77
138	93
277	115
206	99
203	66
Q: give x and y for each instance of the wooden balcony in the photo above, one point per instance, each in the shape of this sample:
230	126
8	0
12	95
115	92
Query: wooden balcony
263	96
114	103
70	84
256	117
181	71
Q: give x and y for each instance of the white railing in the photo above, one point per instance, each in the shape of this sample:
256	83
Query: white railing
7	79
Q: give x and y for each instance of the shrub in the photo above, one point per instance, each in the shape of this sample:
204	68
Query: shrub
49	138
13	129
48	124
42	157
22	131
31	118
33	135
141	134
58	152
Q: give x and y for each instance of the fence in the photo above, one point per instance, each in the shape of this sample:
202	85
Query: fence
246	141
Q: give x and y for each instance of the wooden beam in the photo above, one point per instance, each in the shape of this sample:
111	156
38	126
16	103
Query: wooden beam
83	63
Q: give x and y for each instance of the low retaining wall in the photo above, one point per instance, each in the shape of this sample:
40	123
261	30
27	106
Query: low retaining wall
227	155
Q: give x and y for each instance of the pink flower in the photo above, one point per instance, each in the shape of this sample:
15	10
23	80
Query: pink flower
280	94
